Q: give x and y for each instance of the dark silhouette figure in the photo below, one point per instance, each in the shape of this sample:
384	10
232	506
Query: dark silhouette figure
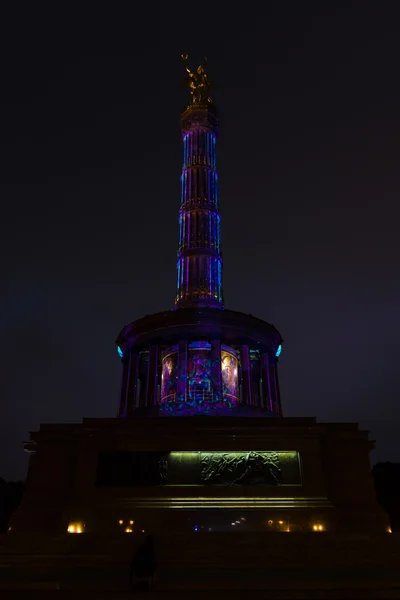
143	565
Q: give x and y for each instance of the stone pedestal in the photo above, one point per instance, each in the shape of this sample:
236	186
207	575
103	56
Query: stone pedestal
175	474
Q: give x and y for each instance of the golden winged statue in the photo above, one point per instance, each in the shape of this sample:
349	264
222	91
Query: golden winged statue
198	82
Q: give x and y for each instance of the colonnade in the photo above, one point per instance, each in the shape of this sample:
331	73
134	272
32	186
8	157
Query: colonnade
141	378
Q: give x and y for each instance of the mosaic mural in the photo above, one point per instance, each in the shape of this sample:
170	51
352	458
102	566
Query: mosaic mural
199	392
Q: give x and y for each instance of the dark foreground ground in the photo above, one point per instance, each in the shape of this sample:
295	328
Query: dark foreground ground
205	566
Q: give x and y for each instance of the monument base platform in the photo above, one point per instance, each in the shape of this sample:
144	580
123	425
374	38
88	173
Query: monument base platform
201	474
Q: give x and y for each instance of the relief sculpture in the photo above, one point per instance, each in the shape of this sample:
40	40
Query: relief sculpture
163	468
244	468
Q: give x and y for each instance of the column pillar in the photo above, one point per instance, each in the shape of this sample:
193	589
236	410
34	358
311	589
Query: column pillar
182	371
216	369
278	392
152	377
275	390
266	382
246	375
124	384
130	404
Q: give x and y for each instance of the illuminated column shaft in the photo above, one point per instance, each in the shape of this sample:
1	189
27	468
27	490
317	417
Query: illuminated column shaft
270	385
246	376
199	264
129	385
124	386
275	390
216	368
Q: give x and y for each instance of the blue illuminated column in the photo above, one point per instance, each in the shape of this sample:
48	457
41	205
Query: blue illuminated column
199	264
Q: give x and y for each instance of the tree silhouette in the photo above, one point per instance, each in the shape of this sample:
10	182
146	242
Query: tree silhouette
387	486
10	498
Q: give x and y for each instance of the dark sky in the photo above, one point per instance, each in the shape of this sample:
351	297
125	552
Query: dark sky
308	157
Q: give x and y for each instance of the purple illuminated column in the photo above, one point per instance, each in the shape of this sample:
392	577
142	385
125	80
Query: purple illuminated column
266	383
216	369
246	375
152	377
132	384
182	370
199	264
124	386
274	387
278	405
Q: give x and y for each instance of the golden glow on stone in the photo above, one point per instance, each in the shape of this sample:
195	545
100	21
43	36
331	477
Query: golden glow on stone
76	527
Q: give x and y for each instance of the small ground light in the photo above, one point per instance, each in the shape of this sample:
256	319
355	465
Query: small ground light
320	528
388	529
131	522
142	530
280	522
270	522
75	528
121	522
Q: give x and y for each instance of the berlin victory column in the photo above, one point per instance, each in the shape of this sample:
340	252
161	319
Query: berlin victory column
199	441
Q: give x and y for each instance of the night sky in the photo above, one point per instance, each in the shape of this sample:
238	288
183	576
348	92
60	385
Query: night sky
308	158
